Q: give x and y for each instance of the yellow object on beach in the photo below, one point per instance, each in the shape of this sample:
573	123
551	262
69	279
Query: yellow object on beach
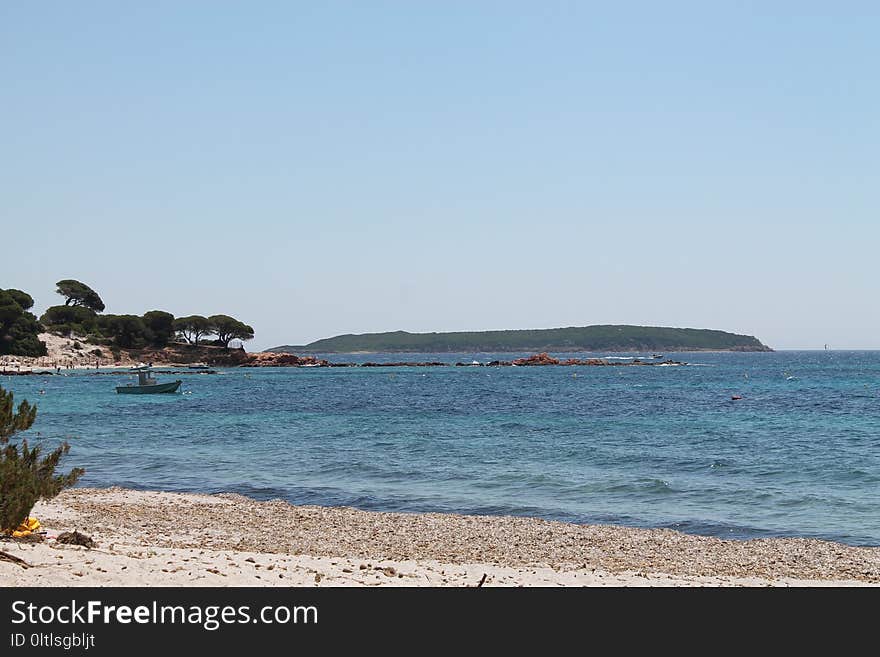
26	528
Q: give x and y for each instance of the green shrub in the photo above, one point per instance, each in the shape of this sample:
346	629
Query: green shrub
19	329
25	475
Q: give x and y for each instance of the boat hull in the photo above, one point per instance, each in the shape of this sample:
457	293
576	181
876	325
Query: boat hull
156	389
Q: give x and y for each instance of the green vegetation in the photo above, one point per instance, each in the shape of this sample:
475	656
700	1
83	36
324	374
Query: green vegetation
69	320
126	331
588	338
161	327
192	328
79	294
25	477
19	329
228	328
80	317
23	299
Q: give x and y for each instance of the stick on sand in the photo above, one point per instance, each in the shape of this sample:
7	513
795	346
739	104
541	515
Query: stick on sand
5	556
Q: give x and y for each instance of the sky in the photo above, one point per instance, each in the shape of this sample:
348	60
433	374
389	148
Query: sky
349	167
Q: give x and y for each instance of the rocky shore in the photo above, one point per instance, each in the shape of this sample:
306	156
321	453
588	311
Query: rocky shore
171	539
278	359
68	353
283	359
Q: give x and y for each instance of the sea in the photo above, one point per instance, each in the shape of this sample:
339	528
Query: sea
798	455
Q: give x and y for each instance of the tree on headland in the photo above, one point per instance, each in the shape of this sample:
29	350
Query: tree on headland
67	320
23	299
79	294
161	327
25	476
19	329
126	331
228	328
192	328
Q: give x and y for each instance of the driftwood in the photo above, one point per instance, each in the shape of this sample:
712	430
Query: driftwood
5	556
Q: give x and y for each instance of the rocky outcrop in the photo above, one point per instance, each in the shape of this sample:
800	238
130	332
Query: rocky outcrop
282	359
588	361
405	364
538	359
188	353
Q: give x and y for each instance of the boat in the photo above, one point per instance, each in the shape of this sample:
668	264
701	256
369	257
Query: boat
657	356
146	384
198	366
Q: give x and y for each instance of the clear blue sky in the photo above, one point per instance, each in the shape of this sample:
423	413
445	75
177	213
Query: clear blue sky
318	168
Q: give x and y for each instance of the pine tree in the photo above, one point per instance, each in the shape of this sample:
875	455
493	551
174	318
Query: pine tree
25	476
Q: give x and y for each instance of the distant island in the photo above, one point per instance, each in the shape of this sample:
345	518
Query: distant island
615	338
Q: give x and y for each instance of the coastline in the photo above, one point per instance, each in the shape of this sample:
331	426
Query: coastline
566	349
151	538
65	354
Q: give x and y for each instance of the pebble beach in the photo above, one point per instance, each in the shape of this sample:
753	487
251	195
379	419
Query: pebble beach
146	538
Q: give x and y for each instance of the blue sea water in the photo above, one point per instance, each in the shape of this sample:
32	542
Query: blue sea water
798	455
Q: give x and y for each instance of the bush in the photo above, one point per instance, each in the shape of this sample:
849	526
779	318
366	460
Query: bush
127	331
77	346
25	476
66	320
19	329
160	325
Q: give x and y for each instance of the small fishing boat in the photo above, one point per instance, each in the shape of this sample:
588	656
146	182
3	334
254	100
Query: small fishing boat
657	356
146	384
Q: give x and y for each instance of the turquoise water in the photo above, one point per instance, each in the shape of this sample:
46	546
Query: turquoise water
642	446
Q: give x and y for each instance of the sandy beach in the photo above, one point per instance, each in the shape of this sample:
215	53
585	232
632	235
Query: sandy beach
171	539
64	357
63	353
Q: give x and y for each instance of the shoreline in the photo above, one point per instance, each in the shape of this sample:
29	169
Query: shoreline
152	538
75	353
536	350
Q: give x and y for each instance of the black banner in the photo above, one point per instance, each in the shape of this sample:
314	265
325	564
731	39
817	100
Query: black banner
112	620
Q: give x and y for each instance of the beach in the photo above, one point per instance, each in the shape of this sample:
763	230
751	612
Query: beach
146	538
64	354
